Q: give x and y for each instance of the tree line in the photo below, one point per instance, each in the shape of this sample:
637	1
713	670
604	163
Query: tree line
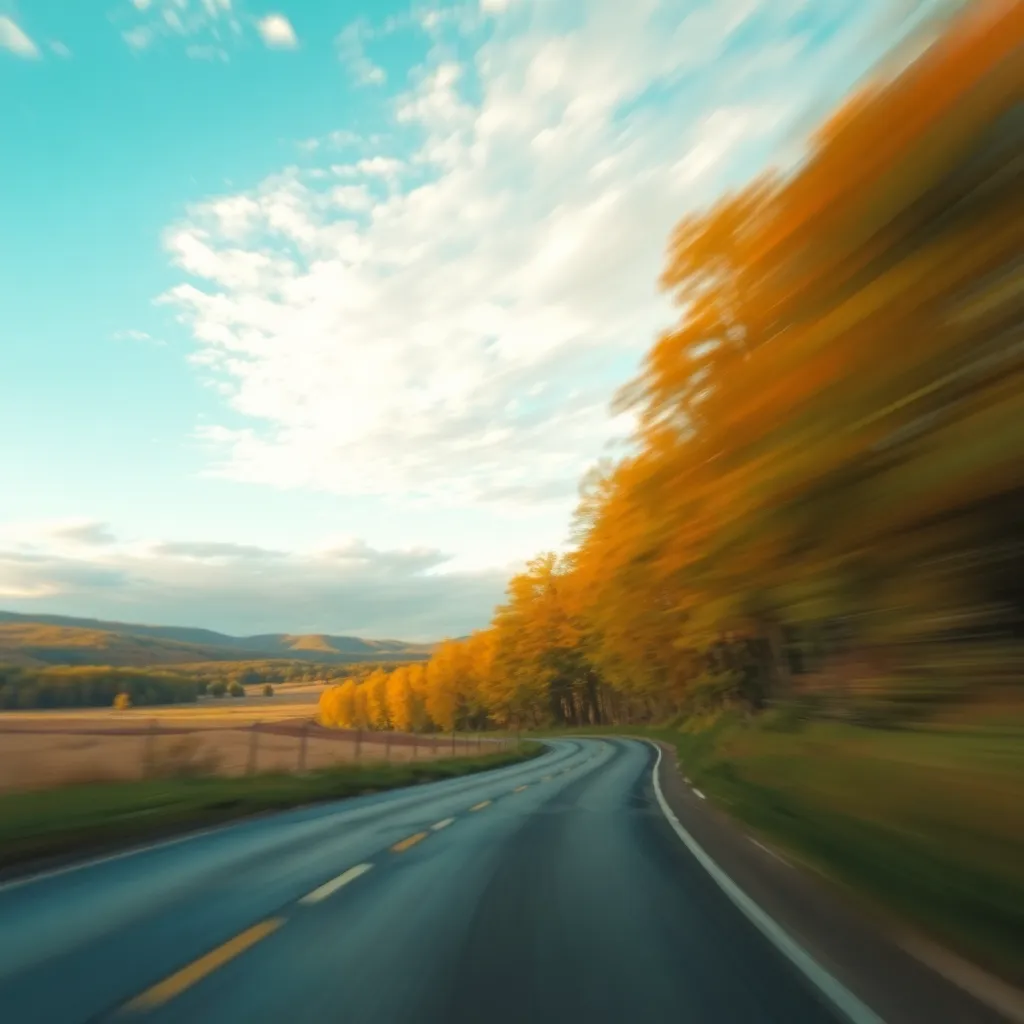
823	507
276	671
97	685
91	686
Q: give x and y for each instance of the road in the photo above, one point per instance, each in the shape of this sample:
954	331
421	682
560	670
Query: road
554	890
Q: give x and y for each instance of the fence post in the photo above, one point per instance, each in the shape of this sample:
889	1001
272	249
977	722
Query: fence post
359	742
303	740
254	739
149	746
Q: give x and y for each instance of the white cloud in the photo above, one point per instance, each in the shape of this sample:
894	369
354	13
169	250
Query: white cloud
14	39
454	331
380	166
138	38
209	27
86	533
351	197
338	586
351	43
277	32
59	49
132	334
206	51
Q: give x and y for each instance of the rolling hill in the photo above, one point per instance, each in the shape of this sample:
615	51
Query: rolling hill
64	640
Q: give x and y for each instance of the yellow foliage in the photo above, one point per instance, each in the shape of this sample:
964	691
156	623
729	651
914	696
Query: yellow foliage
840	406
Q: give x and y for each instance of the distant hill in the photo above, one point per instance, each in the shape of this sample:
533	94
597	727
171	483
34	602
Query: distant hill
64	640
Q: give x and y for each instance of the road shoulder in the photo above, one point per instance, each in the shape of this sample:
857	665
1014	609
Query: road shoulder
855	948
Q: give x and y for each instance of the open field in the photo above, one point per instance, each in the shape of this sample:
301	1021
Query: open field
44	749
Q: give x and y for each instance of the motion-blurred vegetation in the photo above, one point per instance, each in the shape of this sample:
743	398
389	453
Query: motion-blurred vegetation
825	500
809	572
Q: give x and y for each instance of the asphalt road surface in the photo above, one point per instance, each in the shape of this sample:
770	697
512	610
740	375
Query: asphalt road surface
554	890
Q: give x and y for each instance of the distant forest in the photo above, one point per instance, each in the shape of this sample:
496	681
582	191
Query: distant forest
68	686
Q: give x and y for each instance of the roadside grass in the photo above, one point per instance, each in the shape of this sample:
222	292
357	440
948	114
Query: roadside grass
927	823
94	817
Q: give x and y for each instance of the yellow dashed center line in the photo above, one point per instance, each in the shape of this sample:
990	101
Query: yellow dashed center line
480	806
519	789
167	989
404	844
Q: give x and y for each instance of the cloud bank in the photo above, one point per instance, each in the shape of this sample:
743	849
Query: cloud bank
446	315
343	586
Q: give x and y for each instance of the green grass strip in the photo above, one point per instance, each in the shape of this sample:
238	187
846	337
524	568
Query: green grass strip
82	819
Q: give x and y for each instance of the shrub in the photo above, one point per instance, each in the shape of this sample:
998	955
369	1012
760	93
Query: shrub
783	717
183	758
268	690
122	701
236	690
218	689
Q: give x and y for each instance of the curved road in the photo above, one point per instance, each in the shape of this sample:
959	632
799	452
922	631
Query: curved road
553	890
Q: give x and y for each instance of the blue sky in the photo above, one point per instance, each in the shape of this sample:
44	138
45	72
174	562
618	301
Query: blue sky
312	309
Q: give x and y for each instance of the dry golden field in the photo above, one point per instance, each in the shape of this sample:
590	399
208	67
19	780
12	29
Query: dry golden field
41	749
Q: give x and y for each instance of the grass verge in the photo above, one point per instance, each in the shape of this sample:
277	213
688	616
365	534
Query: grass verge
925	823
82	819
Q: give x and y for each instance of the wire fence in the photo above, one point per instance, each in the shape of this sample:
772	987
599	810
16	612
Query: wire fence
41	754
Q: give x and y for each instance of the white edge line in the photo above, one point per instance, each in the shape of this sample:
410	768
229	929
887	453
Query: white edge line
335	884
833	990
698	793
441	824
770	852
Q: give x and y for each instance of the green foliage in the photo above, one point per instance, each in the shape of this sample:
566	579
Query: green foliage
268	690
712	691
91	686
218	688
236	690
785	717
